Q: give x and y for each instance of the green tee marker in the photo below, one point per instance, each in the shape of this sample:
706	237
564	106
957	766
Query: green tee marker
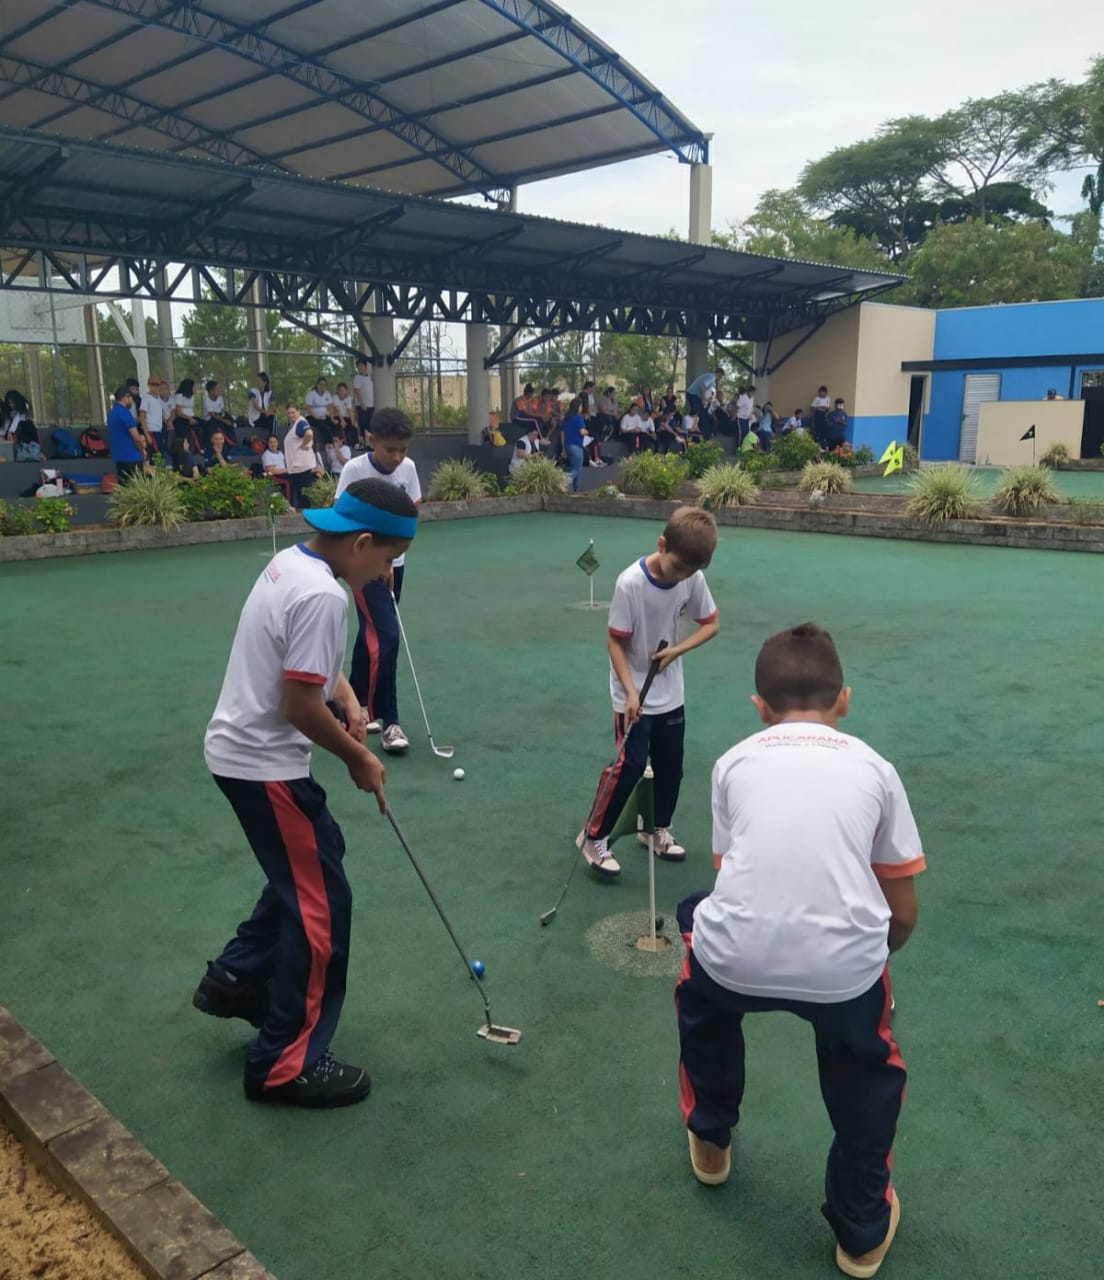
588	561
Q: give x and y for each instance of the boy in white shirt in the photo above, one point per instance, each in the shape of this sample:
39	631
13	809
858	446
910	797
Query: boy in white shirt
816	849
285	968
373	673
658	598
364	394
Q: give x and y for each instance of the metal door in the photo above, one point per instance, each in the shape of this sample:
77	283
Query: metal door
979	388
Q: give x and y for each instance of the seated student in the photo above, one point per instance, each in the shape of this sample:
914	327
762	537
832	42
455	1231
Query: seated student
184	463
592	456
319	403
691	430
216	454
272	460
810	902
18	426
795	423
526	408
337	454
185	423
261	415
606	419
216	415
532	442
670	437
632	429
520	456
344	422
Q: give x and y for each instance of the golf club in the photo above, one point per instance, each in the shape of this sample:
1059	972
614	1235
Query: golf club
446	753
653	670
490	1030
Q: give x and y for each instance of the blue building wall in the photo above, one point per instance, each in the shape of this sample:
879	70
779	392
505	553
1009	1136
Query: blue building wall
878	430
987	333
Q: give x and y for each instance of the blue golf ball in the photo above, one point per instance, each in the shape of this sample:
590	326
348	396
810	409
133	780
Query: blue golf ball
478	968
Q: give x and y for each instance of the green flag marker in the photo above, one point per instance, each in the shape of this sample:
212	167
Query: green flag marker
639	805
1029	434
588	561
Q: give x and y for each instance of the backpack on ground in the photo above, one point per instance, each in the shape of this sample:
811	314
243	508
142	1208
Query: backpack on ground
93	444
30	452
65	444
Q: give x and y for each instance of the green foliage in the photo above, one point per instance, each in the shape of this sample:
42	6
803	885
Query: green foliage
825	477
491	486
783	226
540	475
656	475
978	263
727	485
846	456
944	493
793	451
760	467
456	480
702	455
155	501
443	414
226	493
1055	456
1085	511
1023	490
271	499
636	362
911	457
322	491
16	522
55	515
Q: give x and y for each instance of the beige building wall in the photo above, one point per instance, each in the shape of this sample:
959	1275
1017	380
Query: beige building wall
830	357
1001	423
887	336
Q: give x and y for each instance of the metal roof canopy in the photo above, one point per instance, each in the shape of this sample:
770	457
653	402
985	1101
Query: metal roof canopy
86	218
441	97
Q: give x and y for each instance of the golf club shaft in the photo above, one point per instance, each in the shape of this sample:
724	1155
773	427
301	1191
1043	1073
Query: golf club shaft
653	670
413	673
440	910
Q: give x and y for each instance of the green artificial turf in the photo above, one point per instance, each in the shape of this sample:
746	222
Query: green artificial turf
976	671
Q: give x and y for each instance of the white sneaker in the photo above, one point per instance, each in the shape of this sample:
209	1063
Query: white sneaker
372	726
597	854
666	846
393	740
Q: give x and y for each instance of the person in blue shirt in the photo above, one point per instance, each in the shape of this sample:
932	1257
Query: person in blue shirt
703	392
128	446
573	429
835	426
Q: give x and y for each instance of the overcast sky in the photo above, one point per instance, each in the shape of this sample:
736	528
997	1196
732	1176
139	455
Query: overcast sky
781	84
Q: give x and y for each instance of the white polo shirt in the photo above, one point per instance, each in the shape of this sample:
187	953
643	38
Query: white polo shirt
365	391
217	405
404	477
806	819
318	404
298	455
154	415
644	612
259	402
292	627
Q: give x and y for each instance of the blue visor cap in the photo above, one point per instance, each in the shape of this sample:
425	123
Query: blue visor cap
350	515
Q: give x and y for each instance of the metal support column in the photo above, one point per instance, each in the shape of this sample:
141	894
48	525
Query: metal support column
97	401
139	350
506	389
701	219
382	329
258	331
479	387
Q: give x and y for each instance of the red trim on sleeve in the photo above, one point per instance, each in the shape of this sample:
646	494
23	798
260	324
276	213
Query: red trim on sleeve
899	870
705	621
621	635
304	677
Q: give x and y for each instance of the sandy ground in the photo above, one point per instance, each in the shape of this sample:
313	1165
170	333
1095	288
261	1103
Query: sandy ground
47	1235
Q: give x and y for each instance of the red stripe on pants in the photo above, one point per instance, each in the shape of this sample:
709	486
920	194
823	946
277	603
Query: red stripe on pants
371	643
297	833
687	1097
611	774
885	1033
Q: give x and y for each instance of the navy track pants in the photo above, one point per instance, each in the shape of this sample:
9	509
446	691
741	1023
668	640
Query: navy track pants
374	670
659	738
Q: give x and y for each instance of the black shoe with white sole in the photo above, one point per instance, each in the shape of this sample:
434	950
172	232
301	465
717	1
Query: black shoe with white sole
223	994
325	1083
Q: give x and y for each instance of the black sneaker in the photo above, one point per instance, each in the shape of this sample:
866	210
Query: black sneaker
326	1083
223	994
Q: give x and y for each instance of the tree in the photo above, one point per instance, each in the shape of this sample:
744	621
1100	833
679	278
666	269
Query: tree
783	226
1013	140
637	361
1090	144
978	263
875	186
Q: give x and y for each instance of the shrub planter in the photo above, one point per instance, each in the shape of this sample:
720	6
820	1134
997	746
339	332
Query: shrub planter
503	505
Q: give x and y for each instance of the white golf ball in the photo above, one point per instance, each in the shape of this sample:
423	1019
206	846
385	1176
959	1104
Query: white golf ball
458	774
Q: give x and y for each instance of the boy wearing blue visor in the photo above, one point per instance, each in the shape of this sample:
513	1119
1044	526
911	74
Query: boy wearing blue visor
284	970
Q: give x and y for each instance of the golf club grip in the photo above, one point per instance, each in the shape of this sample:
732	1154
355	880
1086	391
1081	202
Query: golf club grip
653	671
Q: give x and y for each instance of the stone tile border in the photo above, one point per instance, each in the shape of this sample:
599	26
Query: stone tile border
869	515
83	1149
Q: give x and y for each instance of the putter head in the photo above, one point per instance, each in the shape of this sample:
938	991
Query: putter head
446	753
548	917
499	1035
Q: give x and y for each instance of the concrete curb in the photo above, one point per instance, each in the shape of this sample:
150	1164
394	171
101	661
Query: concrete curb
83	1149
